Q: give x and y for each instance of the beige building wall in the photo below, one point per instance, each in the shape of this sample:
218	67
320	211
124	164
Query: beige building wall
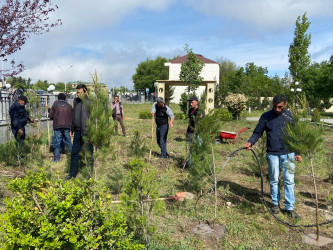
210	72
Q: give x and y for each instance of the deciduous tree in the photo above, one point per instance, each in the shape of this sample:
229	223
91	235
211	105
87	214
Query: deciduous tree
299	57
190	70
18	21
148	72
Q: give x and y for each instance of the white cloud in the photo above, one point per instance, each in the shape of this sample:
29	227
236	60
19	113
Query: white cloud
268	14
92	37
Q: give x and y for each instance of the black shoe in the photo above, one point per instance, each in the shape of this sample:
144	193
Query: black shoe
68	177
275	209
293	214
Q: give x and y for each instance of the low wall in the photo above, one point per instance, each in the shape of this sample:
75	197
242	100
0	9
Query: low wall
6	133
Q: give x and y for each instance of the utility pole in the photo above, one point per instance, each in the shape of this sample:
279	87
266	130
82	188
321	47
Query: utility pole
65	74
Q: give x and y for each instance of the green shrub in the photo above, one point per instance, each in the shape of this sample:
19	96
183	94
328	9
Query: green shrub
145	115
12	153
222	114
315	115
137	147
180	116
236	104
265	102
61	215
254	103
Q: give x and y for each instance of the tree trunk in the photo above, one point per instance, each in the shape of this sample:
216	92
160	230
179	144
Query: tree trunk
316	198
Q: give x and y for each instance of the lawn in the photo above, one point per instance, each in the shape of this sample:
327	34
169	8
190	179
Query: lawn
240	209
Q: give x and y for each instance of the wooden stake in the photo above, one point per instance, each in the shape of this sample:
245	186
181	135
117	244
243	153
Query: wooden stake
151	140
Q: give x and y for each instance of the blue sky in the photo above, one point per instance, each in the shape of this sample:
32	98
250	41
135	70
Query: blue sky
113	36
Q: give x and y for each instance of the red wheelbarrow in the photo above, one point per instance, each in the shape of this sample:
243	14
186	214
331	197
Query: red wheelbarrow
231	135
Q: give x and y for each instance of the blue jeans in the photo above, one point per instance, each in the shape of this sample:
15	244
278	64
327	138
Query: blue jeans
78	144
61	134
162	135
286	162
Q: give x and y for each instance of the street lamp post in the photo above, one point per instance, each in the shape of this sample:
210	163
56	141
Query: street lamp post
65	72
297	90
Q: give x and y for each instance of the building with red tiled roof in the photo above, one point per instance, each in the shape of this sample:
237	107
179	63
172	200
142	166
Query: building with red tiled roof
210	73
183	59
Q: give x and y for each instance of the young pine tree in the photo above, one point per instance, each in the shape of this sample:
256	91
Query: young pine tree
304	138
140	199
100	127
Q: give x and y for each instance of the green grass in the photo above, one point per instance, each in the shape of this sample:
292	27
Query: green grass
248	224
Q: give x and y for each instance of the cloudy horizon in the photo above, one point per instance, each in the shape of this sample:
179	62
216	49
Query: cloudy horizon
113	37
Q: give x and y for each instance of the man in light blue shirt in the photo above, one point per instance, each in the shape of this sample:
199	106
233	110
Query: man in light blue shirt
162	112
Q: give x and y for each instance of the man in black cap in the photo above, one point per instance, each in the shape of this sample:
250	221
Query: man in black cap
162	112
193	115
277	156
61	114
19	118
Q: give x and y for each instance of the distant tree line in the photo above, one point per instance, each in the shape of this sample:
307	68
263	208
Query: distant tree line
316	78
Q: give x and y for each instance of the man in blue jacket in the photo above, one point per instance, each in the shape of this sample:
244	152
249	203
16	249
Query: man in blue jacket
19	118
277	155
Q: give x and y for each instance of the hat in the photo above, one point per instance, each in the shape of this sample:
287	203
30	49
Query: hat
193	98
23	98
159	100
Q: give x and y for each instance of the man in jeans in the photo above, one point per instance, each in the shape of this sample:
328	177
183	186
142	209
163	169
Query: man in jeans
193	117
118	114
162	112
277	155
79	130
61	114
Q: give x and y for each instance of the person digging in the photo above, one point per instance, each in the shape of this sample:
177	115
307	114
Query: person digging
277	156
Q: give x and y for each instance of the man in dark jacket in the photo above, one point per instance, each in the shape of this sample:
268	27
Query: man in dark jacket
162	112
79	129
19	118
61	114
118	114
193	115
277	155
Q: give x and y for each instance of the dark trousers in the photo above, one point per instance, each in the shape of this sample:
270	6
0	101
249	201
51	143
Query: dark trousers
78	144
17	135
119	118
162	135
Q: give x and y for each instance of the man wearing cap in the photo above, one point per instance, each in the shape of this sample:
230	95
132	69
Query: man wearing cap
277	156
162	112
192	115
192	120
61	114
19	118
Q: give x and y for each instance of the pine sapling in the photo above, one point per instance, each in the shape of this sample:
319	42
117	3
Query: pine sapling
304	138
